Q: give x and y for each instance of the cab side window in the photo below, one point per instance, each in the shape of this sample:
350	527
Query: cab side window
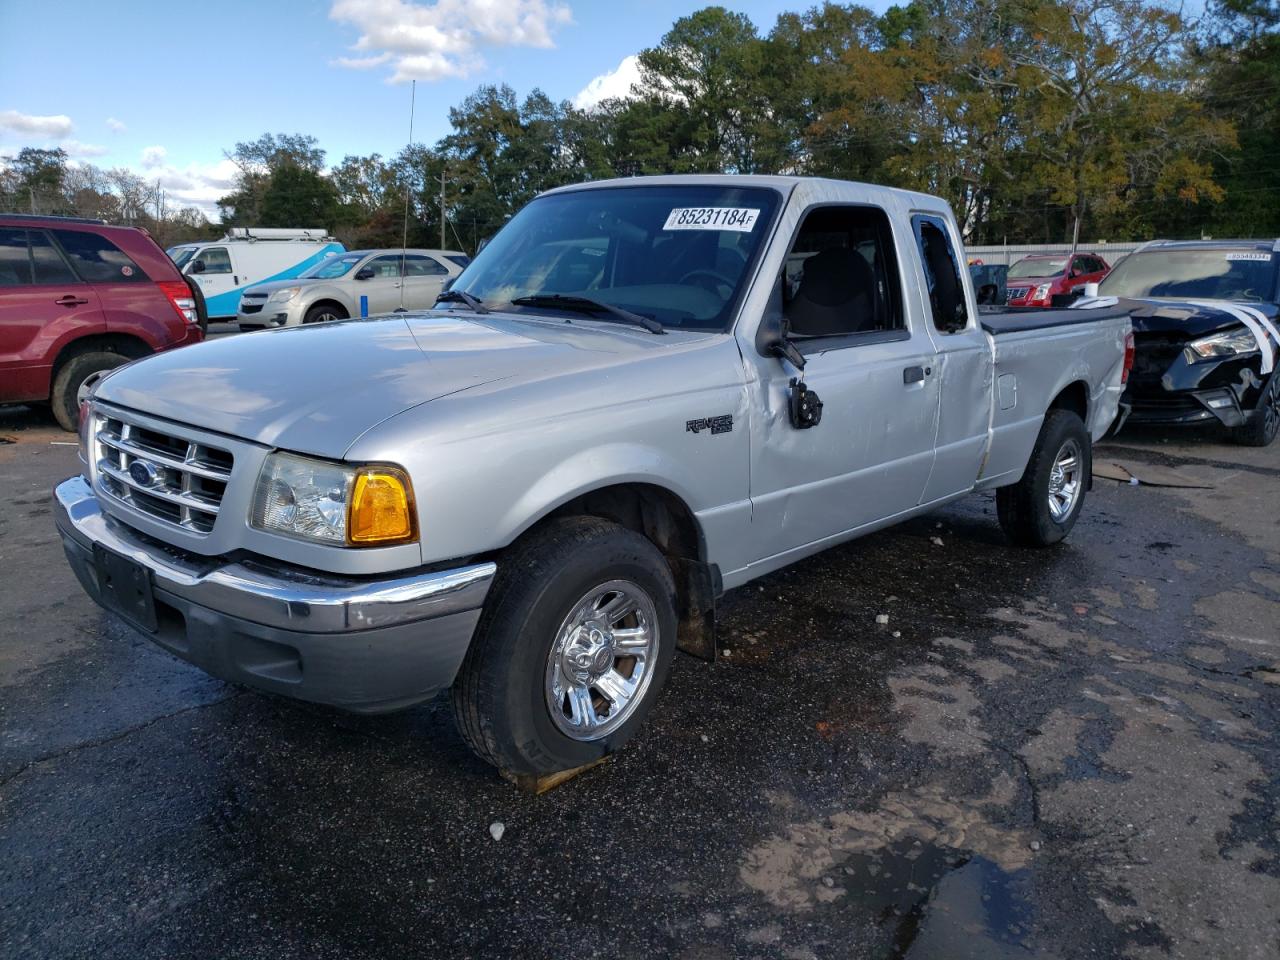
942	274
215	259
841	276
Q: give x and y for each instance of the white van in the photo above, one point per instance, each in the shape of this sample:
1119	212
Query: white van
249	255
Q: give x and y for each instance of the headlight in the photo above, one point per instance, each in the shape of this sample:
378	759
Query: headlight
285	295
1230	343
1042	291
335	503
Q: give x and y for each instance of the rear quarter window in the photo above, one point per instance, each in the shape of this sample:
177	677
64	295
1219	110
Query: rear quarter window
97	259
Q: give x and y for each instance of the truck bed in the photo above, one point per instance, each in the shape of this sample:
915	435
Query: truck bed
998	320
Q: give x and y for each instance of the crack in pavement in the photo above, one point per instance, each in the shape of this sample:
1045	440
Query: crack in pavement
114	738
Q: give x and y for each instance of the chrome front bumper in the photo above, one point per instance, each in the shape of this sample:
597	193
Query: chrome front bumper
361	644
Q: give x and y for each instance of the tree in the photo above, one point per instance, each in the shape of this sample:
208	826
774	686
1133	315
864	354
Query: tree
256	162
33	181
297	196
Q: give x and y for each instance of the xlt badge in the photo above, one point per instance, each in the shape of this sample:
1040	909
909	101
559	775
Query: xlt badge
720	424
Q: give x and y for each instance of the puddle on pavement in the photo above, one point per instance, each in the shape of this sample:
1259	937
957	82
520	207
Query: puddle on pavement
941	903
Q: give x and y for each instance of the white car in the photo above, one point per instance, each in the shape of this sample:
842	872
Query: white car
358	283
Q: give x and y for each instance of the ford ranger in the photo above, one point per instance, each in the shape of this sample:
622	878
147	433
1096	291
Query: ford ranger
640	394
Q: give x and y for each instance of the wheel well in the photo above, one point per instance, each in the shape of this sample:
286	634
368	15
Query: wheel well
121	343
667	521
1073	397
332	304
645	508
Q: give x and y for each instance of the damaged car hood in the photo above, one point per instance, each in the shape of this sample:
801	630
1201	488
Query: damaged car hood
315	389
1178	316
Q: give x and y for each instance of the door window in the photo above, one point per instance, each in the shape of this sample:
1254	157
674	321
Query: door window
215	260
841	276
385	268
27	257
97	259
416	265
942	274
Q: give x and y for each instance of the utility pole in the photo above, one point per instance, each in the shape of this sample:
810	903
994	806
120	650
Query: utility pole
442	244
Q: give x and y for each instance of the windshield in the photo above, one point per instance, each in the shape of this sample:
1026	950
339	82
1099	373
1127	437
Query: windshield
677	254
1207	274
1037	268
180	255
332	267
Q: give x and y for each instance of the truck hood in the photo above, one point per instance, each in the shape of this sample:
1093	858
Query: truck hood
1175	316
316	389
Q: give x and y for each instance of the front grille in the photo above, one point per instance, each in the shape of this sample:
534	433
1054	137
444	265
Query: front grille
1017	293
162	474
1154	353
251	307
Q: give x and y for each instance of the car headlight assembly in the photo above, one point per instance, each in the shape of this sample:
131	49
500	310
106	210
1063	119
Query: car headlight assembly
1230	343
1042	291
344	505
285	295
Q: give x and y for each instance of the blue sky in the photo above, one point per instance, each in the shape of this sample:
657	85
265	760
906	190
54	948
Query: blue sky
163	88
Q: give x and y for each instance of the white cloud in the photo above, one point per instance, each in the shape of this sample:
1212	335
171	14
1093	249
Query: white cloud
198	185
56	127
76	148
116	126
433	40
153	157
614	84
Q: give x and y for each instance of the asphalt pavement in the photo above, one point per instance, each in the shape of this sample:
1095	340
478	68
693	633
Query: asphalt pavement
1058	753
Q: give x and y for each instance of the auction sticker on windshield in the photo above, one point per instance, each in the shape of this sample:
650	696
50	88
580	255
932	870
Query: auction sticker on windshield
739	219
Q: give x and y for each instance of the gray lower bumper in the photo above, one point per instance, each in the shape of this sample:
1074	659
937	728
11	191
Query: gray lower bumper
362	645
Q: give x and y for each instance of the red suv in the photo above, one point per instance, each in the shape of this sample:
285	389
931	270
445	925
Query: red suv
1035	281
78	297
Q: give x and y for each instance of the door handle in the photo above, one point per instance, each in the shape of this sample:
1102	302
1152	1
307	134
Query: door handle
913	375
70	301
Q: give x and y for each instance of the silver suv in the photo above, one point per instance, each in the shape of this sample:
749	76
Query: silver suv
353	284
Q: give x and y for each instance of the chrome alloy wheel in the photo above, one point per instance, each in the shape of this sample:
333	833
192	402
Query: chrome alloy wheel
602	660
1064	481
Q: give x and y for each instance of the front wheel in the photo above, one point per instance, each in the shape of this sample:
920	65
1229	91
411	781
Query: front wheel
1263	422
74	381
1042	507
324	313
572	649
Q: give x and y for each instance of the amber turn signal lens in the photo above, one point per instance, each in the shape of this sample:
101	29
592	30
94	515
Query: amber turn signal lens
381	509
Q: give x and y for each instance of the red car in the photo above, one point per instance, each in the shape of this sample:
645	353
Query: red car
78	297
1034	281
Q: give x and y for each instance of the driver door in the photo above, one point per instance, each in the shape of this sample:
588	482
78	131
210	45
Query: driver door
870	456
383	288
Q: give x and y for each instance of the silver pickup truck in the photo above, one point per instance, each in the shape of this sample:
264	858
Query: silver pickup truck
641	394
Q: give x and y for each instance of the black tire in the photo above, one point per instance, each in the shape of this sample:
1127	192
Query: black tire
1263	422
1024	508
324	313
72	375
499	697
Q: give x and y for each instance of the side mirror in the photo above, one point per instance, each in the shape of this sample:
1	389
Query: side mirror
364	273
197	266
1091	289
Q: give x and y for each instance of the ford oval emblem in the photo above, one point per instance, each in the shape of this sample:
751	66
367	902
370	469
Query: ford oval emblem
144	474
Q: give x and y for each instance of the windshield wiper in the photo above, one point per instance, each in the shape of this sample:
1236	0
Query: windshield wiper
586	305
461	296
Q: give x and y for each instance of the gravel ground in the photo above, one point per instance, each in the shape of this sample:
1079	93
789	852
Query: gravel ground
1061	753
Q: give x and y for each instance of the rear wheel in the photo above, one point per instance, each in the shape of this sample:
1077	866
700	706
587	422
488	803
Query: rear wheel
1262	425
572	649
323	313
1042	507
74	381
